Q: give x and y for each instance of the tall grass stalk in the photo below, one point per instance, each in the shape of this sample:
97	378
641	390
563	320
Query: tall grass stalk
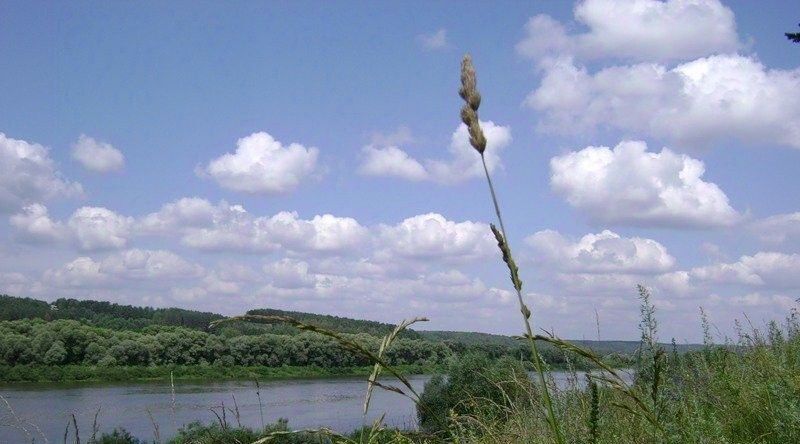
172	405
77	433
469	115
260	405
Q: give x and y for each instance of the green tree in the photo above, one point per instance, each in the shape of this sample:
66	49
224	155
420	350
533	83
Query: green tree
56	355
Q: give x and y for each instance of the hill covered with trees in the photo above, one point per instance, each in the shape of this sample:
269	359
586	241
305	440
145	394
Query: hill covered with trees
72	339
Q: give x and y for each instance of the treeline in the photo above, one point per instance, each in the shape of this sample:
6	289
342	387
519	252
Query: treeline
71	339
103	314
68	342
337	323
128	317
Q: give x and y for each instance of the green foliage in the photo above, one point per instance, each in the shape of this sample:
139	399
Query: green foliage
33	349
103	314
747	392
98	340
474	384
334	323
118	436
197	433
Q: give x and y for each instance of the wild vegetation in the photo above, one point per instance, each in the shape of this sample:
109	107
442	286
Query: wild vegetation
744	390
91	340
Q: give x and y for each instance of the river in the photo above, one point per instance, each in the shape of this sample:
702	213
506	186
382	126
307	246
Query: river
45	409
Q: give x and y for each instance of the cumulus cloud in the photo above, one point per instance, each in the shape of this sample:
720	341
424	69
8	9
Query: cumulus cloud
238	230
391	161
96	228
629	185
605	252
262	164
781	302
148	264
13	283
182	213
695	104
435	41
135	264
80	272
33	224
226	227
419	291
778	228
463	163
433	236
29	175
763	269
636	30
291	274
97	156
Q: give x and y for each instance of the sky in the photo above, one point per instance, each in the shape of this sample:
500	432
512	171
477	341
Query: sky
310	156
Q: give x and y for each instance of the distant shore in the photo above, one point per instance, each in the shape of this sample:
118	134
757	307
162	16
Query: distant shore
79	373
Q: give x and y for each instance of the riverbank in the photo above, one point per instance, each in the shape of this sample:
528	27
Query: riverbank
76	373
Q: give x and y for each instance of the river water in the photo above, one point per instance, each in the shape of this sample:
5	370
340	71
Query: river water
44	409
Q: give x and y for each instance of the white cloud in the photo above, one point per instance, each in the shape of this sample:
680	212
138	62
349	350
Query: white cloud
262	164
400	136
13	283
778	228
605	252
227	227
463	164
433	236
159	266
290	274
184	212
783	303
763	269
696	104
97	228
435	41
148	264
636	30
34	224
97	156
628	185
675	283
81	272
391	161
28	174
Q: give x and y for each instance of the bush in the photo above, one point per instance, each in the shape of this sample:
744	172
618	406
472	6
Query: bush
197	433
474	384
118	436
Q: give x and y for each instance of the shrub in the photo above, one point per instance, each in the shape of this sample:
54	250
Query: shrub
474	384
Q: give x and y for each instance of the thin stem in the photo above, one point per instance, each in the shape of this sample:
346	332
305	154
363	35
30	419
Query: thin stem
537	360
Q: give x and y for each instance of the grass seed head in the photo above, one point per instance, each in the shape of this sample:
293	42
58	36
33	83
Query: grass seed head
469	113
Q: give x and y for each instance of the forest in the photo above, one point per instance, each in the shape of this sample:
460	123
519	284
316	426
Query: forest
76	340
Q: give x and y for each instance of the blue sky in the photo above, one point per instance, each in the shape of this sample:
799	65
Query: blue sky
148	158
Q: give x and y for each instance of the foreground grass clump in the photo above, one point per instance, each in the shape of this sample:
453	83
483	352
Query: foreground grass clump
746	391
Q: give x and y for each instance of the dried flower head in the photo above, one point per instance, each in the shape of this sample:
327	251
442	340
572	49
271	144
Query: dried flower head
469	113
